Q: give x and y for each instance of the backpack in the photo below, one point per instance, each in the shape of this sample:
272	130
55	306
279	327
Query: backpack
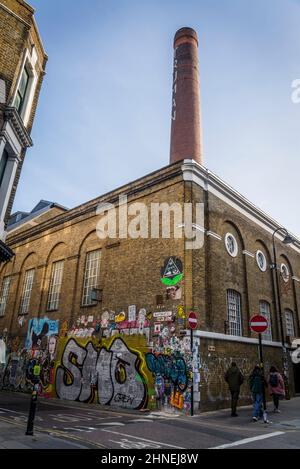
273	380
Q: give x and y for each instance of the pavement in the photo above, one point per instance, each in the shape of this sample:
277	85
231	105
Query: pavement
69	425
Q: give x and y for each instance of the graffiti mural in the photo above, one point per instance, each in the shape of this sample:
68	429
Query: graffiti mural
38	330
169	367
112	374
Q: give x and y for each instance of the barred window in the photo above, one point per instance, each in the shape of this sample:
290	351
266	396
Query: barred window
91	276
264	309
26	294
289	323
4	294
234	312
55	285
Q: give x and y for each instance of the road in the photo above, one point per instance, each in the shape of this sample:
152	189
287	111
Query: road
94	427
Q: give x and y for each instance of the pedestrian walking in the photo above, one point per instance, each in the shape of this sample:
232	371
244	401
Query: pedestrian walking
276	387
234	377
257	383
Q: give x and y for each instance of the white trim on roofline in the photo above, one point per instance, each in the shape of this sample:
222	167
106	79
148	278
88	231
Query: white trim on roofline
247	253
194	172
233	338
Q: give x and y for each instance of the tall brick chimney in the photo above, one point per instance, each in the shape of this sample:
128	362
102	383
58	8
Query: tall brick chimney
185	129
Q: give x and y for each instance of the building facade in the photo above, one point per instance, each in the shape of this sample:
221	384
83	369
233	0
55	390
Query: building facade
22	68
107	317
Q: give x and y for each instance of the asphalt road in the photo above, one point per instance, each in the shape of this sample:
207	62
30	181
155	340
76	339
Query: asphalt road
94	427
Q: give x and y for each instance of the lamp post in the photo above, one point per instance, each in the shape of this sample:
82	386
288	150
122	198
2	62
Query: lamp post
287	240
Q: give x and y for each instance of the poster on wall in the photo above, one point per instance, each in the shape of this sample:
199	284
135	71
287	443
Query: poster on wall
171	272
39	328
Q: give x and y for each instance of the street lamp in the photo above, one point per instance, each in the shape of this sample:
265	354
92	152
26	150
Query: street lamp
287	240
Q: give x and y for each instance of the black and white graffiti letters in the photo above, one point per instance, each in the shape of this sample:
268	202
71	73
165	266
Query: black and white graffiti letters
114	372
69	376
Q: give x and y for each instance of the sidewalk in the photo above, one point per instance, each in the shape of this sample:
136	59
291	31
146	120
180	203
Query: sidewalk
289	416
12	436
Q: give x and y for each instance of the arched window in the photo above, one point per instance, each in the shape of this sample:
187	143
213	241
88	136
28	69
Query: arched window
26	292
91	276
289	323
234	312
264	309
55	286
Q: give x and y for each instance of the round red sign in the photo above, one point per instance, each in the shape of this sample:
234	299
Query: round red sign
192	320
259	323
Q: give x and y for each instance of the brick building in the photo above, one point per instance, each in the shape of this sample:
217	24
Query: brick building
107	317
22	68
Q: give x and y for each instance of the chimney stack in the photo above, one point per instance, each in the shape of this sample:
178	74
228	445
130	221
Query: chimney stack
185	129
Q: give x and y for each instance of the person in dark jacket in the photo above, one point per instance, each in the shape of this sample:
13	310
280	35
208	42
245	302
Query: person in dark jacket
235	379
257	382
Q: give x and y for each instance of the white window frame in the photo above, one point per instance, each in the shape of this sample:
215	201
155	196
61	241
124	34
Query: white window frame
234	312
263	268
91	276
26	293
289	323
4	294
265	311
29	62
235	243
55	285
282	268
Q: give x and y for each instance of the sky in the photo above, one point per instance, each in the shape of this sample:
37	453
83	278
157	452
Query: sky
104	113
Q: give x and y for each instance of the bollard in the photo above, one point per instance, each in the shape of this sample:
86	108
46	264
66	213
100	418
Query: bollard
32	409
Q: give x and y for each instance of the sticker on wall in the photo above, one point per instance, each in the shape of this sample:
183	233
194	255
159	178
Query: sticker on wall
112	315
149	315
90	318
173	292
163	315
131	313
157	328
21	320
180	311
104	319
120	317
172	271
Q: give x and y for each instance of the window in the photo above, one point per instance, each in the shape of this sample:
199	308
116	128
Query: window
21	92
3	163
261	261
264	309
4	294
231	245
234	312
55	285
27	287
91	276
285	273
289	323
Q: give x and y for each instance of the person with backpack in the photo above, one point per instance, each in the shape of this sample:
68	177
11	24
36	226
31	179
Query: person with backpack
257	383
276	387
235	379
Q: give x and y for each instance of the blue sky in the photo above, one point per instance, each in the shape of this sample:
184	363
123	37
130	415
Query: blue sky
104	112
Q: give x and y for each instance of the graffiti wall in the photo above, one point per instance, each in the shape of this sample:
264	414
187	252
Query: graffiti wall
129	357
112	372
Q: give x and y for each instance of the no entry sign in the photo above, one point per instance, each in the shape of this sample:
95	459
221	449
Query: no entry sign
258	324
192	320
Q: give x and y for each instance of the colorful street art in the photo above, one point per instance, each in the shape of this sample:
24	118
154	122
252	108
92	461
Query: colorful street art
111	374
38	330
129	357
